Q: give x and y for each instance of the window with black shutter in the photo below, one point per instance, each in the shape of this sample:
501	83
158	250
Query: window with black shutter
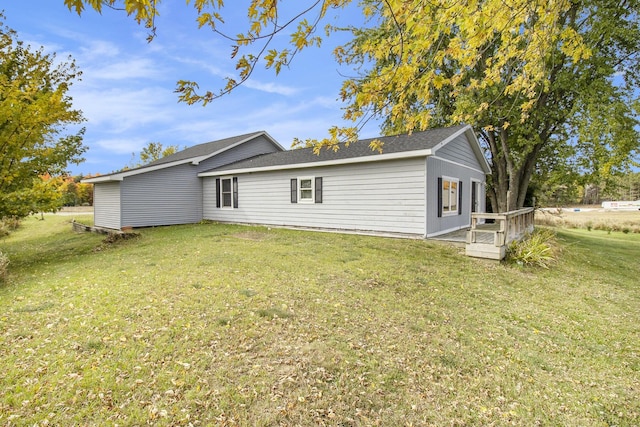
227	192
306	189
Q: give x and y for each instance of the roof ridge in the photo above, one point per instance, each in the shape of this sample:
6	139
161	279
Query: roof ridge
401	143
195	151
177	154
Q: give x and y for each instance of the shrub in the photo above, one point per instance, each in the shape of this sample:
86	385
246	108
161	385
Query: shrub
4	266
8	224
538	249
11	222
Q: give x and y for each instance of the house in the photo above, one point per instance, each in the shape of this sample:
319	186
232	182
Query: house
421	185
168	191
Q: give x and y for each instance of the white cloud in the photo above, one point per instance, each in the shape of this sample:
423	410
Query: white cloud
271	88
121	145
128	69
119	110
91	50
126	91
203	65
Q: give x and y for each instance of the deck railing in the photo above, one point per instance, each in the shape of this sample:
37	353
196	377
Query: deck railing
499	229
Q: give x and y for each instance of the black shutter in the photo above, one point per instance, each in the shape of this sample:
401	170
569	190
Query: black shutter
217	192
294	190
235	191
474	196
440	197
318	189
459	197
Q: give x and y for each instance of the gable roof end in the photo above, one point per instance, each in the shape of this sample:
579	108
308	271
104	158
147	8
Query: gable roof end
475	146
477	149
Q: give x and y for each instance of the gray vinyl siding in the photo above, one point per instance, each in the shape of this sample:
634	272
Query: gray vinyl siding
162	197
460	151
174	195
106	196
255	147
437	168
384	196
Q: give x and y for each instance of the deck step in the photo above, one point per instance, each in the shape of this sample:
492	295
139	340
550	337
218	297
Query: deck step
485	250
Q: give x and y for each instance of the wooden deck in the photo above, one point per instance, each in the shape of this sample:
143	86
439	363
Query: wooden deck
460	236
490	234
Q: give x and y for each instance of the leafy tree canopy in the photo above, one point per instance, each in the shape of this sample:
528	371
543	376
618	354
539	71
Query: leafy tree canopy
151	152
34	110
545	83
540	80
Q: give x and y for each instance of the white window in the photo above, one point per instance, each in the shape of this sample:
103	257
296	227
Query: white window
449	196
306	189
227	192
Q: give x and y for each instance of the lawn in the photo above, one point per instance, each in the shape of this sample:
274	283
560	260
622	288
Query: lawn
214	324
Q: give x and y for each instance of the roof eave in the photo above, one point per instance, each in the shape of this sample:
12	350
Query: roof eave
99	179
307	165
119	176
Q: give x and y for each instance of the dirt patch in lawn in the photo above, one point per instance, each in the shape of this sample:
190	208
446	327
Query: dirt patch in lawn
256	236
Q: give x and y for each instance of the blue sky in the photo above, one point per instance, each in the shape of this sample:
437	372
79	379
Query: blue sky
126	91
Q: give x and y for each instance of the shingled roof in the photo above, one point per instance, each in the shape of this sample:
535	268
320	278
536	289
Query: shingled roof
203	150
195	154
417	142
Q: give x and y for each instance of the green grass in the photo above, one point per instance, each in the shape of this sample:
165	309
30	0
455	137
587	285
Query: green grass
228	325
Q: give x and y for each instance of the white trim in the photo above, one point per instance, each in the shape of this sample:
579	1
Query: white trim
477	148
119	176
449	211
98	179
313	189
230	179
457	164
450	138
366	159
272	140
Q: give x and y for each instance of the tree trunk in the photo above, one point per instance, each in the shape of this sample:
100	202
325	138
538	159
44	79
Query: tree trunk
510	178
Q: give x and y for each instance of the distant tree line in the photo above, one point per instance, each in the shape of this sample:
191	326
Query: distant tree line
76	193
581	189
